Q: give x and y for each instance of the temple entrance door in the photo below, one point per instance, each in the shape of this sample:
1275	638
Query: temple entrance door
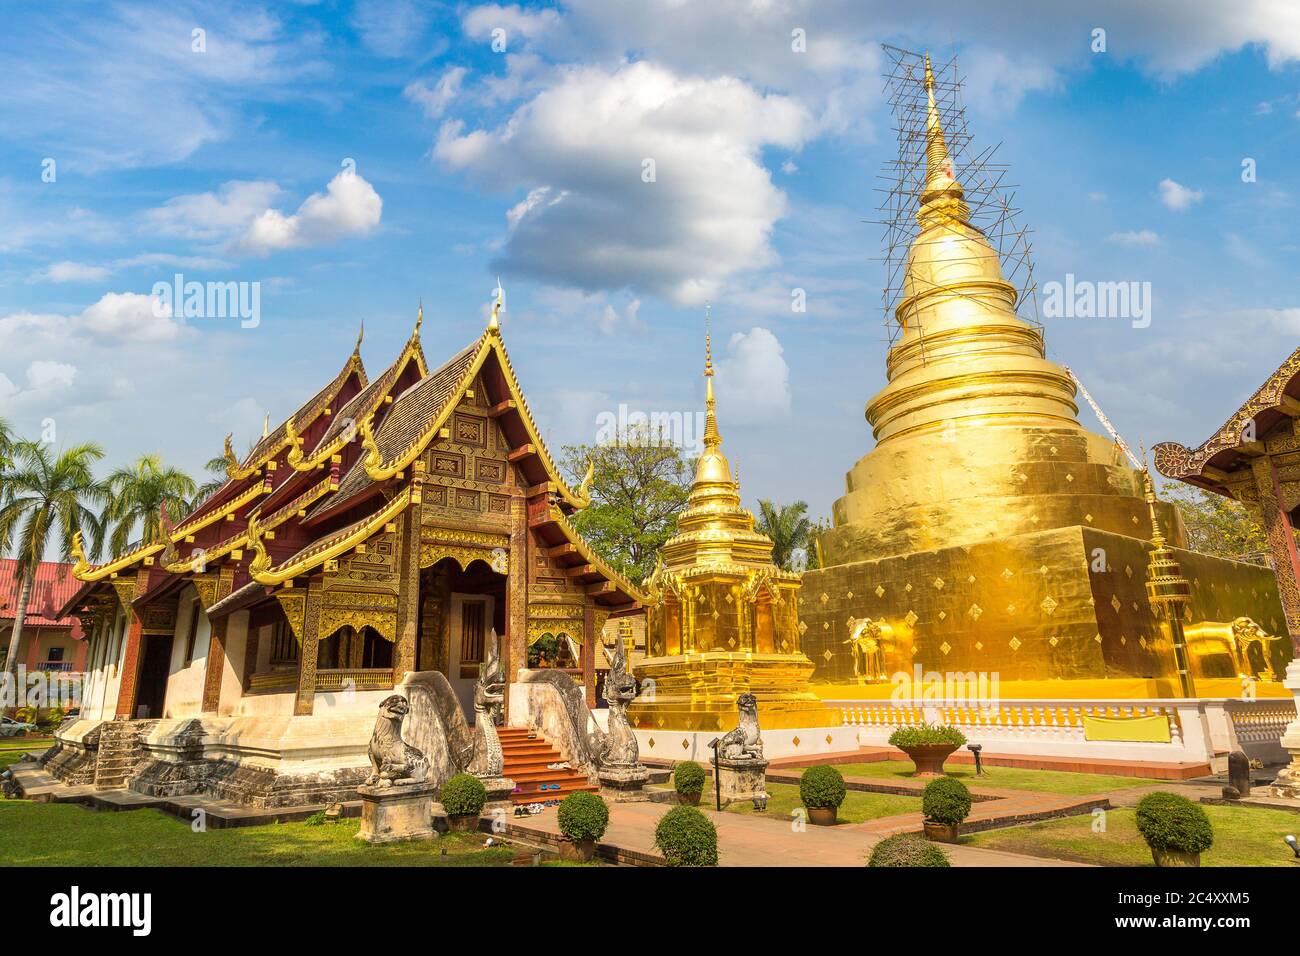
471	624
154	670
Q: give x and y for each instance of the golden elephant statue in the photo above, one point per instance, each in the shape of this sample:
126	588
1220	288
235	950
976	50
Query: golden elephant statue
1235	640
867	643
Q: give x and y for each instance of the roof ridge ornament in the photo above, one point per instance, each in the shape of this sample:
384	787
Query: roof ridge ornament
419	320
942	196
494	322
356	349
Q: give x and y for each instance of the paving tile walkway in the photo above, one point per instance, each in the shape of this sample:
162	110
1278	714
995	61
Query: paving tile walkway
749	840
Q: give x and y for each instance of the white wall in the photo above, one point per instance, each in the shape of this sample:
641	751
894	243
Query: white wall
184	696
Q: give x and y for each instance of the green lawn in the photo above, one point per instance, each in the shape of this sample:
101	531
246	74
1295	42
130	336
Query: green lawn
67	835
857	807
1010	778
1243	836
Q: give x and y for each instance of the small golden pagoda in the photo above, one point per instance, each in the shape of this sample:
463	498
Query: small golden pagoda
722	619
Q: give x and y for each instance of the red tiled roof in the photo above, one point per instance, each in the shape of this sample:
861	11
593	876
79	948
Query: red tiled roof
52	588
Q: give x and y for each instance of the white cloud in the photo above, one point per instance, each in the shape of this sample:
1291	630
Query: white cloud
1177	196
47	375
213	216
390	28
349	206
67	271
753	381
591	220
131	316
480	21
1139	237
434	100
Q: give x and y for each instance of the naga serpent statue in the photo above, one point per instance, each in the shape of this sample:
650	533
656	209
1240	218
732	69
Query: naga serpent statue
395	762
489	692
619	747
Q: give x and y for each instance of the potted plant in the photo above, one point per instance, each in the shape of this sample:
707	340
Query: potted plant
1176	830
688	781
906	849
463	797
822	791
945	803
583	818
928	746
686	837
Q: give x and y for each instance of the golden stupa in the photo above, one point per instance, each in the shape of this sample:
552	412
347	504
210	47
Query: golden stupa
723	619
988	531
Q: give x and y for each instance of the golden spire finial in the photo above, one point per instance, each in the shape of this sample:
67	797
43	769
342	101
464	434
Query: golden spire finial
942	191
419	318
711	437
266	425
494	323
356	349
1157	535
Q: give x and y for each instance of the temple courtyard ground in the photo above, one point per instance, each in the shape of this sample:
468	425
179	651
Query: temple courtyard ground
1020	818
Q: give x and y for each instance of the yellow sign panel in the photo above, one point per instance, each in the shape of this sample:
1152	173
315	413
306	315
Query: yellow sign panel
1146	730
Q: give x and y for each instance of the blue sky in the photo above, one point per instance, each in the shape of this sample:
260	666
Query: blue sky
228	163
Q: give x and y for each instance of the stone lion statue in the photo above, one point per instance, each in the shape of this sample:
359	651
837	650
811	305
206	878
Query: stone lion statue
395	762
745	741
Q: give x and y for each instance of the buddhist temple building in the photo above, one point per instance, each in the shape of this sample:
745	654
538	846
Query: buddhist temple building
1254	458
386	526
722	618
988	531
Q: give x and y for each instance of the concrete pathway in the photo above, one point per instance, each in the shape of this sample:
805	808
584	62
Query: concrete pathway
751	840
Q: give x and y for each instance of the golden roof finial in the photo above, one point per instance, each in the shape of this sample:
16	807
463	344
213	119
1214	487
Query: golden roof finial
266	425
711	437
1157	535
942	191
356	349
494	323
419	318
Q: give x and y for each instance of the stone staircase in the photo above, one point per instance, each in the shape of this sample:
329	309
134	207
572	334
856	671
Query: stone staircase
526	761
120	751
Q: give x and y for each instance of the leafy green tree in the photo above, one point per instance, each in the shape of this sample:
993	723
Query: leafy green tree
46	501
136	494
788	527
1217	525
7	441
640	483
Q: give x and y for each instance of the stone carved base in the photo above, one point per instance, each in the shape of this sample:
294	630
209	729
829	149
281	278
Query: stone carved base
742	779
1287	784
623	784
389	814
498	790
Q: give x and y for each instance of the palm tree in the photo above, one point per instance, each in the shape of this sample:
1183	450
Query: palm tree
136	495
46	495
6	443
216	467
788	527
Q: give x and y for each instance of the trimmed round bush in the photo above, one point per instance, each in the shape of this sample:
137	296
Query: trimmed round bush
945	801
686	837
688	778
905	737
821	787
907	850
1168	821
463	795
583	816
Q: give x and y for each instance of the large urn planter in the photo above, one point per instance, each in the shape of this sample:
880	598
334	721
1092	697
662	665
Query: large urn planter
577	851
823	816
462	822
940	832
929	758
1175	857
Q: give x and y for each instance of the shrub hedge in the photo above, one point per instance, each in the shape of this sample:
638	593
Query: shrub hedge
583	816
905	737
686	837
1168	821
945	801
907	850
821	786
463	795
688	778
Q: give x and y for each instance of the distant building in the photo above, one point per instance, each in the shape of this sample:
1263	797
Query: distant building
49	642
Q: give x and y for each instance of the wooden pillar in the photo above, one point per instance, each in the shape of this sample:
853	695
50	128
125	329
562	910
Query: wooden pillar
126	694
1281	542
590	637
408	595
215	665
516	645
306	699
